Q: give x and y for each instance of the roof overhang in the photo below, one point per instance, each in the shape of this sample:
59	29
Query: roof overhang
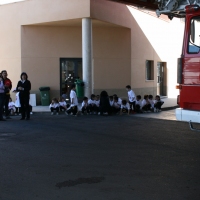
145	4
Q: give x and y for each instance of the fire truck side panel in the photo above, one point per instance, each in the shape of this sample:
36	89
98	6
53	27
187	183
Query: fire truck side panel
191	70
190	97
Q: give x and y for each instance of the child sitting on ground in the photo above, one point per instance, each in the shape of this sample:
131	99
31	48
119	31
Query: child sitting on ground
138	104
151	101
11	107
63	104
54	106
85	107
97	102
119	99
146	106
92	104
157	104
116	105
111	100
125	107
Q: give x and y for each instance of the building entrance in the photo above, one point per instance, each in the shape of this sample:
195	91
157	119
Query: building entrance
70	70
161	79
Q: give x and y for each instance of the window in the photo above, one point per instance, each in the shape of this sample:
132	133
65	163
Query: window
149	70
194	36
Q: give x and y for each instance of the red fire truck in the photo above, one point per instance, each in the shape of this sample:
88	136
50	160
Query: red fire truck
188	69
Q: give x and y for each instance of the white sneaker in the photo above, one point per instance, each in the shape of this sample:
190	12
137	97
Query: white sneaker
51	113
31	113
57	113
99	113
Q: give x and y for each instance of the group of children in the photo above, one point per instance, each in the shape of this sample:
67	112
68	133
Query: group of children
116	104
15	107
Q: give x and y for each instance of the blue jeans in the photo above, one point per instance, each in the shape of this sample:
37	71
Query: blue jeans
2	101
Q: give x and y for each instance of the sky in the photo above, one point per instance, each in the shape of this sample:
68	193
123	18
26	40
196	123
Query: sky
8	1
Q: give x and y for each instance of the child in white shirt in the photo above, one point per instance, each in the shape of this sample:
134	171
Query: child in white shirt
125	107
111	100
92	104
157	104
97	102
116	105
151	101
74	102
119	99
146	106
11	107
17	103
138	104
63	104
131	97
85	106
54	106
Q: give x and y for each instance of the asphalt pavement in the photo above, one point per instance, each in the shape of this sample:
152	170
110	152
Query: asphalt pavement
98	158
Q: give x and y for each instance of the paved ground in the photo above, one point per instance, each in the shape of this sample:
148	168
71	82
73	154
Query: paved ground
168	115
98	158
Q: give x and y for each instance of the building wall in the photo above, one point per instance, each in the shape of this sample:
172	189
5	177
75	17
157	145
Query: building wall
43	46
112	59
34	42
151	39
15	15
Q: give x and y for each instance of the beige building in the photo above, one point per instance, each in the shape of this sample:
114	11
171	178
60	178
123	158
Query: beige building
108	45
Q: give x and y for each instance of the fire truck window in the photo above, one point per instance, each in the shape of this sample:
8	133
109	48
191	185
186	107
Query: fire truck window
194	37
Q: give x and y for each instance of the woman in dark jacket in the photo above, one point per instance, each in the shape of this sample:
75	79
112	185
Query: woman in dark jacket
104	106
24	87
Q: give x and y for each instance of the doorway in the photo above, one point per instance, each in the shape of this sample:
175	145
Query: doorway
161	79
70	70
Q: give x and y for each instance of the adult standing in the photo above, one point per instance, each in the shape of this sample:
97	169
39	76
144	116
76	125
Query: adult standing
2	98
24	87
8	87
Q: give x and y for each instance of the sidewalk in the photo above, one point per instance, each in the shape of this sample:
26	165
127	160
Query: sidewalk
169	104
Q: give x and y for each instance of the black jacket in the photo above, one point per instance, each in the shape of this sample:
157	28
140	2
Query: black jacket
27	87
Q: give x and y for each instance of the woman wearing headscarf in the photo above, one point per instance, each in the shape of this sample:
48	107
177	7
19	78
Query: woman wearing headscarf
24	87
2	98
104	106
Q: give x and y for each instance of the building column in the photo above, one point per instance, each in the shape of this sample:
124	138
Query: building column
87	52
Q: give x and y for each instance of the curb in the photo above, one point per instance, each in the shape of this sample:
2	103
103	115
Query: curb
169	108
